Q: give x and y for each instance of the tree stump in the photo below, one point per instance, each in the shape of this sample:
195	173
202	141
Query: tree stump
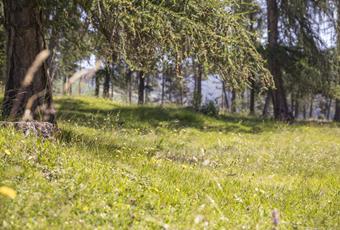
43	129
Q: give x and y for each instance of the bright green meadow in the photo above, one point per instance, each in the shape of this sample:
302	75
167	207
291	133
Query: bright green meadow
115	166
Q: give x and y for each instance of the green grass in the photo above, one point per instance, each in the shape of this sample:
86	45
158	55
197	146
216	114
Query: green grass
118	166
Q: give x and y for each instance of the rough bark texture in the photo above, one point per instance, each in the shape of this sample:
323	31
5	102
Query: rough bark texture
141	88
23	21
281	111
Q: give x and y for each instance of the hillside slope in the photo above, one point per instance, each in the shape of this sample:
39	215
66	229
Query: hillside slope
145	167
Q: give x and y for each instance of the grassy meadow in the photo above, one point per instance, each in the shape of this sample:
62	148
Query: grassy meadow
115	166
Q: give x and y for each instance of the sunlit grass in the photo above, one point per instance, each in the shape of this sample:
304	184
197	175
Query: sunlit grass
146	167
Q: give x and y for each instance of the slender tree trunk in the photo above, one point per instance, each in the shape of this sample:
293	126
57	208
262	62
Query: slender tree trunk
198	87
329	108
79	87
147	83
297	108
23	21
233	101
265	112
141	88
97	86
106	86
163	89
129	85
311	106
252	98
281	111
225	94
63	85
304	112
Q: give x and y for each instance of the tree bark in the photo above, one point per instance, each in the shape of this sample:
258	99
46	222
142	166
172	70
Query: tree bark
198	86
97	81
337	111
141	88
23	21
281	111
106	86
252	98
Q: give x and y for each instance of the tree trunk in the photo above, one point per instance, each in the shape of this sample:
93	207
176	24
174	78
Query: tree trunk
265	112
311	106
252	98
63	85
281	111
163	89
297	108
198	86
141	88
233	101
129	83
25	42
329	108
337	111
96	93
225	94
79	87
106	86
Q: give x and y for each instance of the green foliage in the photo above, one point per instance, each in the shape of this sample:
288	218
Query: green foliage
118	166
142	32
210	109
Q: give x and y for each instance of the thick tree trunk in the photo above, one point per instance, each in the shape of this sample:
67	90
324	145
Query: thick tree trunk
25	42
141	88
281	111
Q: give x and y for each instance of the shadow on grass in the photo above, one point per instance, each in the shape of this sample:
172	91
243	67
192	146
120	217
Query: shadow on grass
82	113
